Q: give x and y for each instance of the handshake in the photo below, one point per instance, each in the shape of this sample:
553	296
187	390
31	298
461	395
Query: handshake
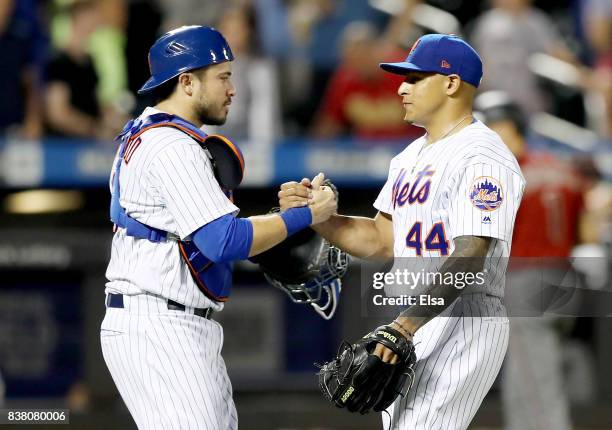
320	198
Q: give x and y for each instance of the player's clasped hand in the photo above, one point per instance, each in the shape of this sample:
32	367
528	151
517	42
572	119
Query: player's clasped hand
321	199
294	194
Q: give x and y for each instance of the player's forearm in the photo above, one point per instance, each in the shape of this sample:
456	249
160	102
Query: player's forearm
32	123
63	116
357	236
72	122
468	257
228	238
268	231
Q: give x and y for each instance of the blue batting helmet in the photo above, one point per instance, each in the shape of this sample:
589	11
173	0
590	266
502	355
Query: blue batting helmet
183	49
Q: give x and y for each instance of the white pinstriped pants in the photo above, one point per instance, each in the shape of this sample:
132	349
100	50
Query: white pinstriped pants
459	355
167	366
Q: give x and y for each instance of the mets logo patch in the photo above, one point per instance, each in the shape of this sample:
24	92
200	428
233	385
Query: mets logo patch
486	193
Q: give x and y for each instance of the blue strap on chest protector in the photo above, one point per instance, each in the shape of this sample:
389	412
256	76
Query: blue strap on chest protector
131	130
118	215
213	279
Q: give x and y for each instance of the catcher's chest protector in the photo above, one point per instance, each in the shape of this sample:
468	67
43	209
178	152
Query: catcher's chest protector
213	279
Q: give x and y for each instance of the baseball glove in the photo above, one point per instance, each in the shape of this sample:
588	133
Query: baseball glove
359	380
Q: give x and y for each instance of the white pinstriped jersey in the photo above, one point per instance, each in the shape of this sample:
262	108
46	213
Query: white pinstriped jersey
166	182
467	184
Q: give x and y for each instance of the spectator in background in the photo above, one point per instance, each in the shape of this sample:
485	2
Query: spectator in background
177	13
360	101
107	49
274	28
142	30
598	28
72	108
506	36
546	230
316	27
22	47
255	115
401	31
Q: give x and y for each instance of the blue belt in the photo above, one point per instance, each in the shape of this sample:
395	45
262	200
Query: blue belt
116	301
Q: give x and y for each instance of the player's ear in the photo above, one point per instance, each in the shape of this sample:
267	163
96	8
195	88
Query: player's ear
453	82
185	81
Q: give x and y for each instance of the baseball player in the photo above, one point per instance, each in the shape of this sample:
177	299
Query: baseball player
176	236
453	193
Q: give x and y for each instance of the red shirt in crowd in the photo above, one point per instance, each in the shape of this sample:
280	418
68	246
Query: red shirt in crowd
547	220
368	108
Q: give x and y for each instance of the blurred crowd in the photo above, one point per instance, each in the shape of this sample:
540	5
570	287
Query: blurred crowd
309	68
71	68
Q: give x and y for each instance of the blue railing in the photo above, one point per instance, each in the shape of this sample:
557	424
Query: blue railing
82	164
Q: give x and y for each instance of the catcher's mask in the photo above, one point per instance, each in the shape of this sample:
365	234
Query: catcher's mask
307	268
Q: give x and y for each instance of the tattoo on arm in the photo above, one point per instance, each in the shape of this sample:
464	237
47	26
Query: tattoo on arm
468	257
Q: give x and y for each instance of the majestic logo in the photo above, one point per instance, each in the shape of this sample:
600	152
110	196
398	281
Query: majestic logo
486	219
486	194
445	64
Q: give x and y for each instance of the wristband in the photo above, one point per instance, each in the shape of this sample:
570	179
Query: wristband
296	219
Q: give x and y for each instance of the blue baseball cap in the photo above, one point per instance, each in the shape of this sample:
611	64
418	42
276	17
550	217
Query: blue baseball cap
441	53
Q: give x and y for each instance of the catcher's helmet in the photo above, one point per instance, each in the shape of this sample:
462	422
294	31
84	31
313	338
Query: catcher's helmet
183	49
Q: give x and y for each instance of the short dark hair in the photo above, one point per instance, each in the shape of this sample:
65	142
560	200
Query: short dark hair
165	90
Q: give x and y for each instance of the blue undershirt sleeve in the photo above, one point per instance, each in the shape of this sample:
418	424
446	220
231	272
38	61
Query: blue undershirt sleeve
225	239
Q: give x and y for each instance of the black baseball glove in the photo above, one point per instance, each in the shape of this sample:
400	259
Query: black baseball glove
359	380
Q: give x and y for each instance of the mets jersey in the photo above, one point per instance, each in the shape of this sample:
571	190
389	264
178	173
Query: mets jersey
166	182
467	184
